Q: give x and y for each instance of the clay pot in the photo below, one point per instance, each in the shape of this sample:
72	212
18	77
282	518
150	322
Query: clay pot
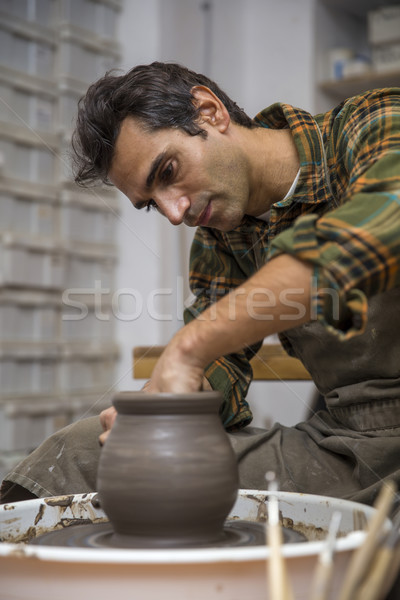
167	473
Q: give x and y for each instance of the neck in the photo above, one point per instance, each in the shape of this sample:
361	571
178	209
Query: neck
275	163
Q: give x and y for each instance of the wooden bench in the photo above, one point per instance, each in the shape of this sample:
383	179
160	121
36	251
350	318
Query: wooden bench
270	364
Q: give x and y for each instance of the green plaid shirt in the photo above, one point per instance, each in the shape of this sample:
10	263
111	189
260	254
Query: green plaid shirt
343	217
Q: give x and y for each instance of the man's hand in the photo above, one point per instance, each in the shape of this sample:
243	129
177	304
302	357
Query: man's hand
177	371
107	418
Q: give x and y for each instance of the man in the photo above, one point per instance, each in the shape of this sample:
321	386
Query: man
298	221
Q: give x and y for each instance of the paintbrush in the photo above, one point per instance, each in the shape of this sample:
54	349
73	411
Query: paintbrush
279	584
321	581
361	557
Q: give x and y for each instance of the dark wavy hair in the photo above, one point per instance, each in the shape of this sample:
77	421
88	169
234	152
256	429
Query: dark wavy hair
159	95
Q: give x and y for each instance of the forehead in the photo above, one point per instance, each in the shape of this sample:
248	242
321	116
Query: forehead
133	138
136	148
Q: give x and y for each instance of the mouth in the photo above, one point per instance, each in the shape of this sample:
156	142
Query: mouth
205	216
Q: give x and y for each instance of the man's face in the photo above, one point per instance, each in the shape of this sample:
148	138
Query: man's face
188	179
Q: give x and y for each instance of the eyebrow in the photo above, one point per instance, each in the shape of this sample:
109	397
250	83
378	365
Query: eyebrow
154	168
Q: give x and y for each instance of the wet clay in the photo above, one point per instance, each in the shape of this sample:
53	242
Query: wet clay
167	473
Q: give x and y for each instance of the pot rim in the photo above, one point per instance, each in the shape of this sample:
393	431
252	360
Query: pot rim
166	403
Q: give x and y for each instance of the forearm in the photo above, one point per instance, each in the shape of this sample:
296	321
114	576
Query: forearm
276	298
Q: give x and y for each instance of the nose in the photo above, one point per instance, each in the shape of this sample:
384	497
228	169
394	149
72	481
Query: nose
174	207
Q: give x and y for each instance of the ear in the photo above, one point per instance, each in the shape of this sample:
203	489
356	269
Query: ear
211	109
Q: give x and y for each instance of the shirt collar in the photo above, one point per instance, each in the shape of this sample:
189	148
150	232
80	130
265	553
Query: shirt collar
308	142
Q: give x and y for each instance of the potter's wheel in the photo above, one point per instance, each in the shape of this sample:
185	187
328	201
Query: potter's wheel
44	572
101	535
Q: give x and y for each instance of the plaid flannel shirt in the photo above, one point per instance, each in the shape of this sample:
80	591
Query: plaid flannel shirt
343	217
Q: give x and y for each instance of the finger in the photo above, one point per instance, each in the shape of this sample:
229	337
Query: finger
206	385
107	417
103	437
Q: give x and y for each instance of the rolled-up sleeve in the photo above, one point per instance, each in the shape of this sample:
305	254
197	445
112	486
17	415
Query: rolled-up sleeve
355	249
213	273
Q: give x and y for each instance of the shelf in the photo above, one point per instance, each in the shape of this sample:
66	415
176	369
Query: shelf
30	29
28	135
344	88
358	8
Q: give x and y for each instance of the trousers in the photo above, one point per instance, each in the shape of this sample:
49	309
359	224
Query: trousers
319	456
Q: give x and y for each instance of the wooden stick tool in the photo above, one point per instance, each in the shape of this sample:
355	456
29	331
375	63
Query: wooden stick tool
320	585
279	584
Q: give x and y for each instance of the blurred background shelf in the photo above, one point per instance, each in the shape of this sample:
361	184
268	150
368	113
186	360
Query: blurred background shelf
344	88
58	243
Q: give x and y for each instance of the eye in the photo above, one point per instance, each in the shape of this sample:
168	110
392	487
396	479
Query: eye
167	173
151	205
